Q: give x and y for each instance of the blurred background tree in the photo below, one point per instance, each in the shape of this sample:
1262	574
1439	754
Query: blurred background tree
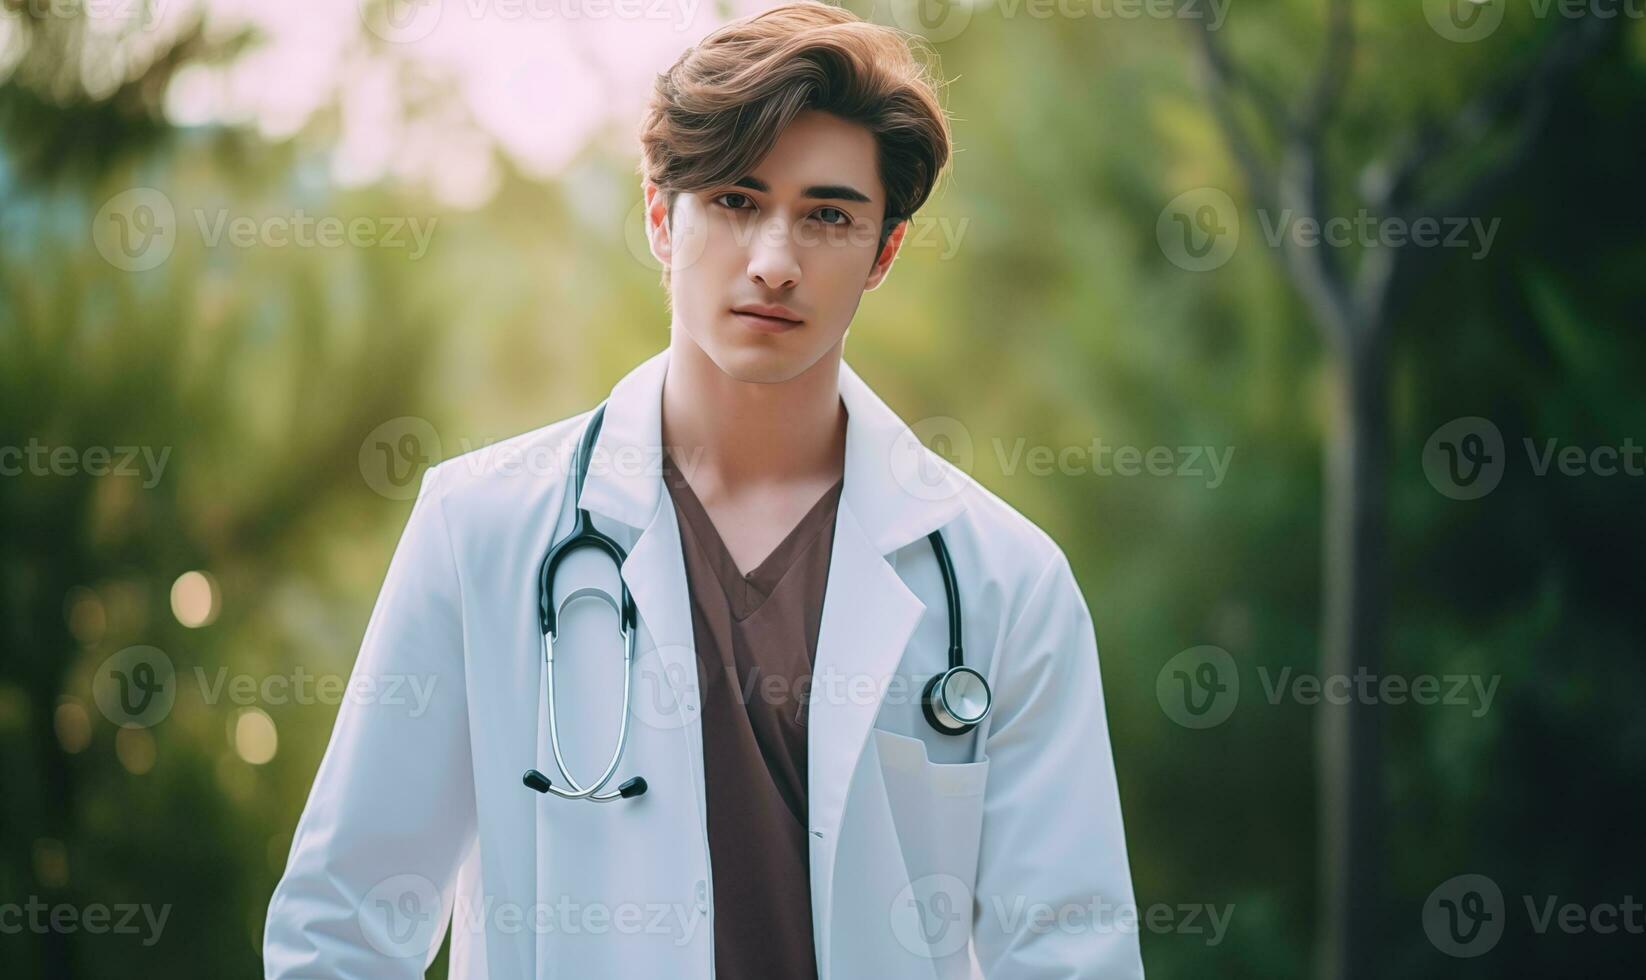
265	373
1312	159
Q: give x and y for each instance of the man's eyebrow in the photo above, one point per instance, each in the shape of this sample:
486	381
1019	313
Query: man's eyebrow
822	192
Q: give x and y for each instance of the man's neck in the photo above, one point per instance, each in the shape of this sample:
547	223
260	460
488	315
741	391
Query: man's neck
732	436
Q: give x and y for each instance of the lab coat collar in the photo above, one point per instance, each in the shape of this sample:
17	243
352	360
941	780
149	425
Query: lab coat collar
896	489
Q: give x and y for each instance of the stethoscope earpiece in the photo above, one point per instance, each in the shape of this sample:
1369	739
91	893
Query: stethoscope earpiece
632	787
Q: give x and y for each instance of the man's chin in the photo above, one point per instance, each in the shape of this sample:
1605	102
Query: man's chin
759	364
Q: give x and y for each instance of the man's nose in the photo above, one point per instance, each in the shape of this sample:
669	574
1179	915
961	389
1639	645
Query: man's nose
773	260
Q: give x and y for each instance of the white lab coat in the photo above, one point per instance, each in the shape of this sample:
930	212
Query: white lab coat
998	853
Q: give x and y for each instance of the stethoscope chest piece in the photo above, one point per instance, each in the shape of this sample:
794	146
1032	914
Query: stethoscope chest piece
956	700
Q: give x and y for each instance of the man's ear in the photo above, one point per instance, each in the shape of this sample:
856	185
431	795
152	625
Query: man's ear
883	262
657	223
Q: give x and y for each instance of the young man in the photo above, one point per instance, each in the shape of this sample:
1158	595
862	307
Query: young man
794	794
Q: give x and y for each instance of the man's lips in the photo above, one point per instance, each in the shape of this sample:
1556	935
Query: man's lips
766	322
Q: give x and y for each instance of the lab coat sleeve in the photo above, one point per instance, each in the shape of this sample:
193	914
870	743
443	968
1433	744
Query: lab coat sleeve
1054	891
369	883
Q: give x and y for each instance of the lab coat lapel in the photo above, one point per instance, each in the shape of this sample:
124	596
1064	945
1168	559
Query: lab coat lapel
868	616
666	694
896	492
625	484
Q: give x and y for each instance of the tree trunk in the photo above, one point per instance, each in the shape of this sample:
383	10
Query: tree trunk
1349	760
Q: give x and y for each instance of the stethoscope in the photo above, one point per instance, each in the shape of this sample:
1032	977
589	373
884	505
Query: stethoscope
953	701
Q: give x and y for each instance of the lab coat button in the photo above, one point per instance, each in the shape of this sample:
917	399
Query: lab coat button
702	896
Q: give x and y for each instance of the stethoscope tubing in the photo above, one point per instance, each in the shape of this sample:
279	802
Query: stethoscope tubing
592	792
937	705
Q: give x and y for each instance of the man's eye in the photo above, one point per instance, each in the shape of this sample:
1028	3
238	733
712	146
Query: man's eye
840	217
734	200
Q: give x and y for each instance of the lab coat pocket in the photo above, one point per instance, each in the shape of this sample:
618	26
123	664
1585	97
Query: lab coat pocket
938	811
938	806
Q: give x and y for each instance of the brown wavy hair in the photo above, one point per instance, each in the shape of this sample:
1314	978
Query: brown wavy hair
722	106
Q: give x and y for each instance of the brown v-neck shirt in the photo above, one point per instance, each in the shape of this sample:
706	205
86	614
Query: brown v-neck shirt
756	638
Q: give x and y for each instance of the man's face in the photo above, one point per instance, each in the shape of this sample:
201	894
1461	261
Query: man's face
795	239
